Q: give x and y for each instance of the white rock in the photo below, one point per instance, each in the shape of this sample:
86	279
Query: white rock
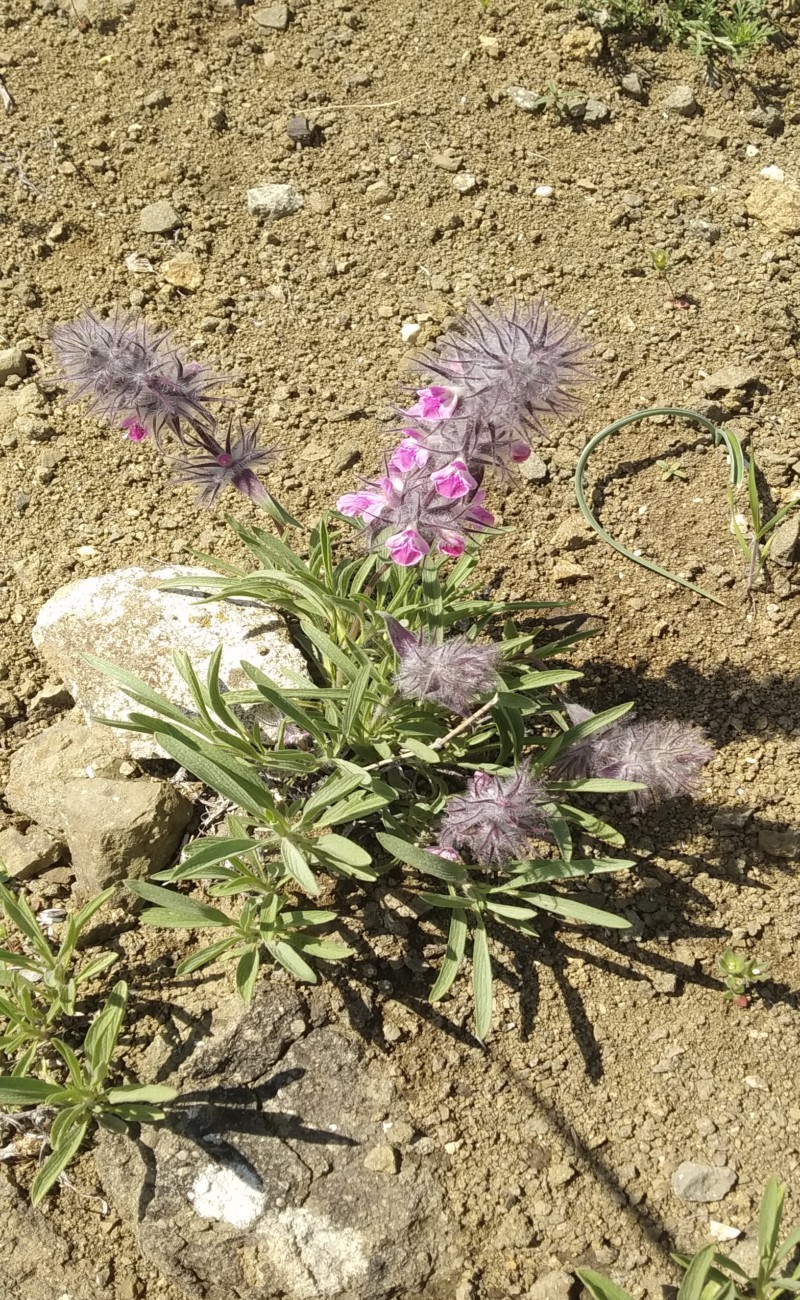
410	331
125	618
773	173
274	201
722	1231
465	182
752	151
544	192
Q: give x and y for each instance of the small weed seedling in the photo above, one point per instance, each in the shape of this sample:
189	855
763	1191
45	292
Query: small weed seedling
740	973
85	1097
755	541
38	984
729	30
671	469
711	1276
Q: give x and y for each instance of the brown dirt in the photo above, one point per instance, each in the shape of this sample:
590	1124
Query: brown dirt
612	1060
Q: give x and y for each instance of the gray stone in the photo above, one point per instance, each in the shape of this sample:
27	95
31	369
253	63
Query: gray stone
379	192
43	767
780	844
129	621
156	99
783	549
158	218
682	101
448	160
528	100
23	856
693	1181
766	119
776	204
552	1286
729	379
465	183
274	18
12	362
273	202
119	829
53	695
596	112
633	86
533	469
382	1159
572	535
270	1154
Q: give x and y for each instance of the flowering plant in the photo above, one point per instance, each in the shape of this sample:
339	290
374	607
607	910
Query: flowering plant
432	730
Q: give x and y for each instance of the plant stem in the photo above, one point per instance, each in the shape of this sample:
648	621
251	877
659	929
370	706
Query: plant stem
736	458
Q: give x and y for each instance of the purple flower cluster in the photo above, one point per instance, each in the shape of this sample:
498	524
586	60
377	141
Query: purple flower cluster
452	673
141	381
496	377
495	818
666	756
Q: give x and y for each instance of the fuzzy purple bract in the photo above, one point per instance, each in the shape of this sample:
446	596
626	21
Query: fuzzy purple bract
453	673
667	756
129	373
495	817
215	465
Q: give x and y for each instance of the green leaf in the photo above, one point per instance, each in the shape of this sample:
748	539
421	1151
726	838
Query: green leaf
453	872
297	866
596	785
575	911
424	752
95	966
16	1091
71	1061
510	913
68	1147
752	493
539	873
138	690
294	963
325	949
102	1035
771	1209
206	761
247	974
187	910
283	704
21	915
342	850
548	677
691	1288
481	979
593	826
599	1287
112	1123
788	1247
358	805
330	650
206	955
154	1093
355	699
219	848
453	957
457	901
19	962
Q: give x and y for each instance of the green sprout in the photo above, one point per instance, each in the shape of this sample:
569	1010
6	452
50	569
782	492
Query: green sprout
709	1275
740	973
671	469
755	541
85	1098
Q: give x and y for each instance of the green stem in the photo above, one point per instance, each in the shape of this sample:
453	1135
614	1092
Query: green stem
735	456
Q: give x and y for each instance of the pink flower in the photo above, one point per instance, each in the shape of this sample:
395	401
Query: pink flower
435	403
520	451
441	852
453	481
407	455
482	518
364	505
407	548
133	429
452	544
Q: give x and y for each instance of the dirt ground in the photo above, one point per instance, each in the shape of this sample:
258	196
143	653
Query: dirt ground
613	1060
